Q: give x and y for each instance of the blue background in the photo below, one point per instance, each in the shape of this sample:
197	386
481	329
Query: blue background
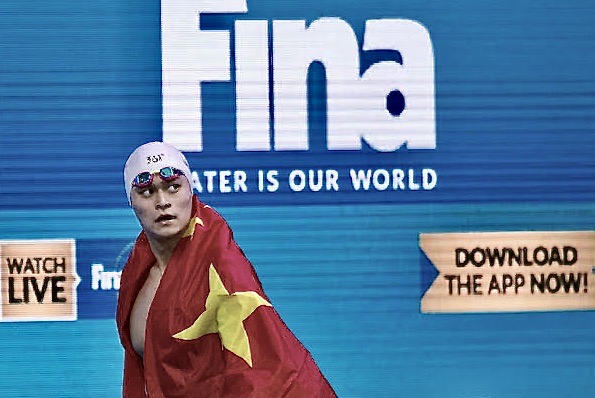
515	107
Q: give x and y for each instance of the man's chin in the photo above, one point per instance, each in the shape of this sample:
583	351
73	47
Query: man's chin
166	233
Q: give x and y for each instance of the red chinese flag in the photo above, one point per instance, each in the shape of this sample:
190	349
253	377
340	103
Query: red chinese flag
211	331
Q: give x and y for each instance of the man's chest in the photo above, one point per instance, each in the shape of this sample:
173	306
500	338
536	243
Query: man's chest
140	310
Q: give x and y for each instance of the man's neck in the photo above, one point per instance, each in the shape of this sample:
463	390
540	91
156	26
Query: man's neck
163	250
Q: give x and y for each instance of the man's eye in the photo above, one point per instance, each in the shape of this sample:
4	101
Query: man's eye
174	188
146	192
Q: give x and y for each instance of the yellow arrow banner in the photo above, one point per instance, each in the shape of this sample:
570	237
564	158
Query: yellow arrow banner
510	271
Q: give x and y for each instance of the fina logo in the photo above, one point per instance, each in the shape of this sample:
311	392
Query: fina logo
358	105
110	279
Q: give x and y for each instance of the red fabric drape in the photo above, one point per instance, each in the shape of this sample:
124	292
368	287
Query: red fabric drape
203	367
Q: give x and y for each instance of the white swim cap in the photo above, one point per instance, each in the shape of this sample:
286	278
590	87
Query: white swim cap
152	157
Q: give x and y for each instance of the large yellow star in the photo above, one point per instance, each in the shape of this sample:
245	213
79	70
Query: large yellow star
225	314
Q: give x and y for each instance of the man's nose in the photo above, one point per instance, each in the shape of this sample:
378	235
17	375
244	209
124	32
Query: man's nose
162	201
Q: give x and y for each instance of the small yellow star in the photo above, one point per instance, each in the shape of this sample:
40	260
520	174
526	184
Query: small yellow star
192	226
225	314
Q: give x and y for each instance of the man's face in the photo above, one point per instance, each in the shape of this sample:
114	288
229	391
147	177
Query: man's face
163	208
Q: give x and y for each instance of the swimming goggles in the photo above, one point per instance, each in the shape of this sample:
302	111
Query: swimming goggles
144	179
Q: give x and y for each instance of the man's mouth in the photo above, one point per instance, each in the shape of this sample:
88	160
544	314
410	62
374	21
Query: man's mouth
164	217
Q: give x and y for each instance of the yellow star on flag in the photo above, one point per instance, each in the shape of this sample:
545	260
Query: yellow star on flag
194	221
225	314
